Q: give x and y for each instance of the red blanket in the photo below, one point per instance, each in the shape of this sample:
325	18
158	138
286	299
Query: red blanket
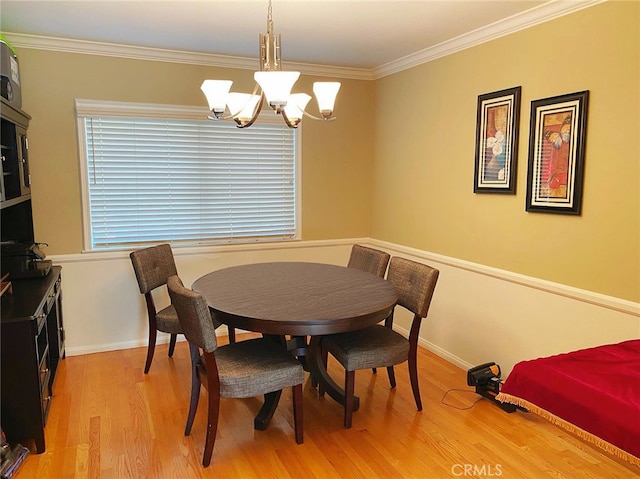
593	392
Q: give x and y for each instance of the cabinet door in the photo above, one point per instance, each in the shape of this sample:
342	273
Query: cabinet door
55	328
11	159
16	181
23	398
23	161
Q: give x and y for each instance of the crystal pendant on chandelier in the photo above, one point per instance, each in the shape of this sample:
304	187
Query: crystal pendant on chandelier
275	85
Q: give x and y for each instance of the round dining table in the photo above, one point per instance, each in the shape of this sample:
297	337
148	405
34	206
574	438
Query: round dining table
296	300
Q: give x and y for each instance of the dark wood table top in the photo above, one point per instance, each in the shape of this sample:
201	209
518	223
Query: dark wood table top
296	298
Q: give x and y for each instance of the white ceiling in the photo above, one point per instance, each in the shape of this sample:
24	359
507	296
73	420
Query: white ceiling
353	33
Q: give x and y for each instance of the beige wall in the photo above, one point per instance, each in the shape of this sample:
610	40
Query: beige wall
399	173
425	141
336	169
402	176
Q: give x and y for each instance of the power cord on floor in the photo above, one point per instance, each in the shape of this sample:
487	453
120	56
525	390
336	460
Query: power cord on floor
463	391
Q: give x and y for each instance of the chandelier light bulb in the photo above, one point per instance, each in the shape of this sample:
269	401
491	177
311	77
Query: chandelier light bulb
294	110
276	86
326	93
242	105
217	92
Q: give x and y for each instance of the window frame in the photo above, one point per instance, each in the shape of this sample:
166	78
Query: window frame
99	108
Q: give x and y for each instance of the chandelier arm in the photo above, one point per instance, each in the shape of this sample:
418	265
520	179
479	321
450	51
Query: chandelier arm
255	115
230	116
309	115
289	123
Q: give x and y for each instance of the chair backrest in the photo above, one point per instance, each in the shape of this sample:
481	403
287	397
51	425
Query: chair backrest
414	283
153	266
193	314
370	260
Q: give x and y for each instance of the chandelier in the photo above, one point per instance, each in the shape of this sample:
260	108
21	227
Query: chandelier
273	85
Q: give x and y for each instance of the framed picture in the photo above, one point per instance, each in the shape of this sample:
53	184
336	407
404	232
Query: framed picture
556	153
497	123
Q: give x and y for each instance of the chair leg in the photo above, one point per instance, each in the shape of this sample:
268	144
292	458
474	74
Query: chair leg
172	344
413	375
150	348
298	421
392	376
212	427
374	370
213	394
195	389
232	334
349	383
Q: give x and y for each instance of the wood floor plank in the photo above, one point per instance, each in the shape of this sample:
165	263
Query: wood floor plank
108	420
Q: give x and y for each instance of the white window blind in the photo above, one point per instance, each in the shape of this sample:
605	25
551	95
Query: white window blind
152	180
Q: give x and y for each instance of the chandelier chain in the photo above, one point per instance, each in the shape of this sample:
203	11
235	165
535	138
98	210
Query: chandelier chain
269	18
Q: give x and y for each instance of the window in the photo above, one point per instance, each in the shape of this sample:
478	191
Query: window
157	173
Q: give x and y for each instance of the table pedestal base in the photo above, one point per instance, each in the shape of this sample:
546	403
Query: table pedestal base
320	374
311	358
263	418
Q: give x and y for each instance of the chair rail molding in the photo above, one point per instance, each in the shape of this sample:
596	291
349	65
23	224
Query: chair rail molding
478	313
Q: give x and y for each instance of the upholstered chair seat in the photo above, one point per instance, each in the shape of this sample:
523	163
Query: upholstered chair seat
167	320
371	347
251	368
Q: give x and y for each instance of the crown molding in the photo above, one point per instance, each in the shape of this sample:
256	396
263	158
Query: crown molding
67	45
544	13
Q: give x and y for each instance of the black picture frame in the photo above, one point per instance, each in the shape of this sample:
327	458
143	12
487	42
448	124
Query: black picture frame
557	137
497	132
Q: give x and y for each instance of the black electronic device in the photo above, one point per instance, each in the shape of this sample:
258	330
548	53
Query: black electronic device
24	260
486	379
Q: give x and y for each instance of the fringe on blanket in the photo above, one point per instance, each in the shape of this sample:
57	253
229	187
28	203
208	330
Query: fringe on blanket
581	433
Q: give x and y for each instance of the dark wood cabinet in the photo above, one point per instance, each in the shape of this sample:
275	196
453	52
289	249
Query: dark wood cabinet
31	326
32	341
15	188
16	180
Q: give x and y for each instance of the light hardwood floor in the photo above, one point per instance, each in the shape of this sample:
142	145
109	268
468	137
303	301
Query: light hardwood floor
109	420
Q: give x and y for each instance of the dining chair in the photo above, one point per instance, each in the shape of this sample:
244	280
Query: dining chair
152	267
380	345
238	370
368	259
372	261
